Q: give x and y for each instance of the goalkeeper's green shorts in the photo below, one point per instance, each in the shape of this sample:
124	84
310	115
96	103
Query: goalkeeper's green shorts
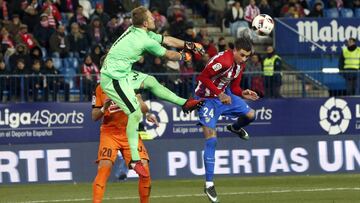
121	90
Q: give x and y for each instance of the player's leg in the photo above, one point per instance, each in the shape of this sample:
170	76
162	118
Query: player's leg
144	182
122	93
148	82
106	157
99	184
208	116
245	115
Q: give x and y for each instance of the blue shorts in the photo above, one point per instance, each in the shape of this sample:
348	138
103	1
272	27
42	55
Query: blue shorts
212	109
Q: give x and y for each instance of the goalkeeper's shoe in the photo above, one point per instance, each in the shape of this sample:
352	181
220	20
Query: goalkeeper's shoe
192	104
139	169
211	194
241	132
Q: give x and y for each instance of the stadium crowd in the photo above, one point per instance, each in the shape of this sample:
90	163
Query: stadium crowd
41	39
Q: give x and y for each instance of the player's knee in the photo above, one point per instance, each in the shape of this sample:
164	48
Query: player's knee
251	115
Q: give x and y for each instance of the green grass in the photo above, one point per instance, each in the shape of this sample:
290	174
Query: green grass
279	189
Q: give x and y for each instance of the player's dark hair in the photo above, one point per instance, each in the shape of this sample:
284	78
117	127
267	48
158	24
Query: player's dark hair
139	16
243	43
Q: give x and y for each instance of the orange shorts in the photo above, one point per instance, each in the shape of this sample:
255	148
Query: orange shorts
112	141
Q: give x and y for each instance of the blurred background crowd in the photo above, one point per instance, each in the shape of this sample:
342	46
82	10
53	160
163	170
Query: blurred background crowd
41	39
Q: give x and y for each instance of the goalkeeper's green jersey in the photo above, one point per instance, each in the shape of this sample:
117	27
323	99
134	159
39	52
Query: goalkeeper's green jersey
128	49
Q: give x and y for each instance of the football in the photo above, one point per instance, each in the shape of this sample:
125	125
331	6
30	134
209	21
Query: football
263	24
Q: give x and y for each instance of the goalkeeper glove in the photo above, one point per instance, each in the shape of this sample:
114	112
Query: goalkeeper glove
194	47
185	56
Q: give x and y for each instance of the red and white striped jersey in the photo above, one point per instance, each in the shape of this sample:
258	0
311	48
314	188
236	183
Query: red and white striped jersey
220	71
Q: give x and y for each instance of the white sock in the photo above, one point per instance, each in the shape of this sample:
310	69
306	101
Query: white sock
209	184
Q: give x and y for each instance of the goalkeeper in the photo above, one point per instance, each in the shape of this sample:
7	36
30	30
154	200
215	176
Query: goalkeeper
116	75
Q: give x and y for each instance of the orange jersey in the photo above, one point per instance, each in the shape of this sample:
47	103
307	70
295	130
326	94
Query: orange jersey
114	118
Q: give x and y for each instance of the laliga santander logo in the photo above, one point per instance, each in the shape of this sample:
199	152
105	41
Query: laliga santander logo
161	115
335	116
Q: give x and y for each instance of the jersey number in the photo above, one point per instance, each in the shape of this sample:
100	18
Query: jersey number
136	74
106	152
211	112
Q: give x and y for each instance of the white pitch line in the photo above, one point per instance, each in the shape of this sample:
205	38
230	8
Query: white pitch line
200	195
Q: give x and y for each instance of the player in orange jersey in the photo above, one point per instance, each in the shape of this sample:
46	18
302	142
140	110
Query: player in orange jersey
113	138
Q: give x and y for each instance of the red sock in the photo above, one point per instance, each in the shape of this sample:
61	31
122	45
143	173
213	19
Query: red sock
100	183
145	186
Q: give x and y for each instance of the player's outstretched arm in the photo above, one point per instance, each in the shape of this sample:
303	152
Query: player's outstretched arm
173	42
177	56
186	45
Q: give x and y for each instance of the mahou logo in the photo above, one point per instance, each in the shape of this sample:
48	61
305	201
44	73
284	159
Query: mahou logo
335	116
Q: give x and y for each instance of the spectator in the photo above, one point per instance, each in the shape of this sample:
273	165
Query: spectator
235	18
126	23
36	55
222	45
4	14
99	13
292	9
96	54
4	81
177	22
349	64
92	76
175	8
160	20
203	33
114	29
20	53
78	42
59	43
52	9
265	8
251	11
272	75
253	76
97	33
7	43
51	19
53	83
26	38
209	47
31	15
189	34
317	10
20	82
43	31
14	26
80	19
36	80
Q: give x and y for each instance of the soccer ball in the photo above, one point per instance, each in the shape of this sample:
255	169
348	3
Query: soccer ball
263	24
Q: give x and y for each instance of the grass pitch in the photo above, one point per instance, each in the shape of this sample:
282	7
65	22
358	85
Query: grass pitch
279	189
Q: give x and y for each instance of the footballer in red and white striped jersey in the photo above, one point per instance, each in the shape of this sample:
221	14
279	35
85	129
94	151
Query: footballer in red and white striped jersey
220	71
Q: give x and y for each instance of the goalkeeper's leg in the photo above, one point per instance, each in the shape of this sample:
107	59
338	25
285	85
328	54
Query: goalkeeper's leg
99	184
162	92
153	85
